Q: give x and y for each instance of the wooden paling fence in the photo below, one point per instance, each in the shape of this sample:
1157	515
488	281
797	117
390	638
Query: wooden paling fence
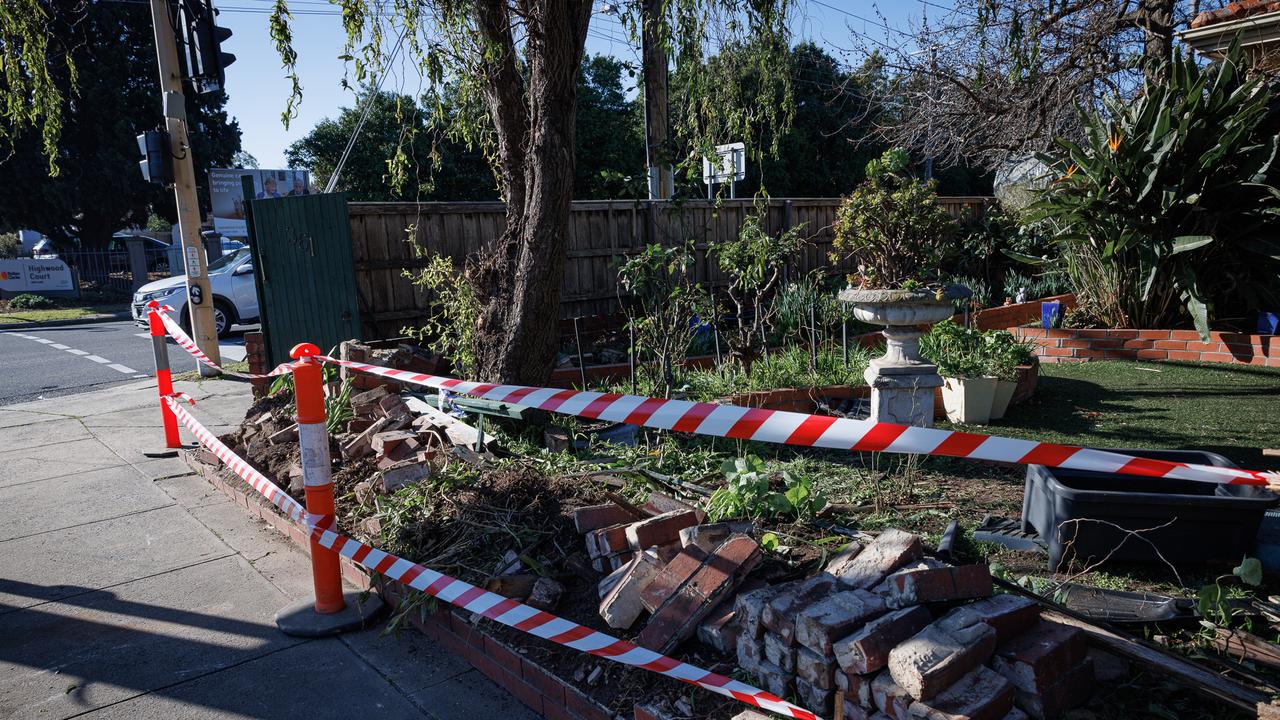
601	234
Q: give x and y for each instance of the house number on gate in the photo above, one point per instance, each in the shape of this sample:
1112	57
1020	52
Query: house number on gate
301	241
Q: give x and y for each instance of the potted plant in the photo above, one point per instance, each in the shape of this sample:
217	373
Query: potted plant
1004	356
964	362
892	227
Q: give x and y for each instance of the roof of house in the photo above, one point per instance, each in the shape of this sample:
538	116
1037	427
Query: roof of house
1235	11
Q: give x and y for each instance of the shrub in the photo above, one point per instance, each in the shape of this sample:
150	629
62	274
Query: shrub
29	301
892	225
454	309
10	245
965	352
664	303
753	263
1170	206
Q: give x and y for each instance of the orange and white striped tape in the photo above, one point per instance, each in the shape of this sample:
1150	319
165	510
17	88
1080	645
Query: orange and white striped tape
792	428
490	605
186	343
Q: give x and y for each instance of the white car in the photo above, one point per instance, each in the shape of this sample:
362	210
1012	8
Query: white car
235	298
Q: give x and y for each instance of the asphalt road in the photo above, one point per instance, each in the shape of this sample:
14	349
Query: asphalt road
69	359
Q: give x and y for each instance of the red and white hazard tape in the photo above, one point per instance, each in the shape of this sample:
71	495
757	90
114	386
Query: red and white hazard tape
792	428
482	602
186	343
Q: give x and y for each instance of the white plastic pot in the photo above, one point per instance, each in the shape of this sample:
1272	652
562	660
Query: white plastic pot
1000	401
968	400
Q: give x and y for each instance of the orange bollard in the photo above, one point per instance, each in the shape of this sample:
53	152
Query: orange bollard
308	392
164	379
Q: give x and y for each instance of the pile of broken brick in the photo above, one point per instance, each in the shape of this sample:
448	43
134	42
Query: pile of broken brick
882	632
401	443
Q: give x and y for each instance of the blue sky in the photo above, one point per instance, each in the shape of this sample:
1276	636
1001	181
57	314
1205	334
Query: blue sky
257	87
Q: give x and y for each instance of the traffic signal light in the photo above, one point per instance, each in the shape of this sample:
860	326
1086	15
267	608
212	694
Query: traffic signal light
200	40
157	160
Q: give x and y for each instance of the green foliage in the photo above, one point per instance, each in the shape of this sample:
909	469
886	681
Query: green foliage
892	225
1212	599
29	301
609	161
34	91
664	302
791	367
749	492
1170	205
337	405
453	310
966	352
102	90
10	245
793	304
753	263
1039	286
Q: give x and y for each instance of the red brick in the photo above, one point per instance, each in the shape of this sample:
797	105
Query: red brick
1273	362
941	654
594	517
622	605
890	551
817	669
679	615
1041	656
1027	332
1008	615
1218	357
720	630
1121	354
814	698
583	706
1137	344
1169	345
867	650
660	530
524	692
502	655
607	541
780	652
915	587
672	577
856	687
1153	355
1198	346
748	608
1153	334
1077	343
980	695
1072	690
1090	354
822	623
779	615
551	711
1116	343
892	699
551	687
1057	352
1188	335
1182	355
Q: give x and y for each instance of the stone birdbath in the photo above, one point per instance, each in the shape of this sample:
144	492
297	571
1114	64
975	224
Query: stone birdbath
902	382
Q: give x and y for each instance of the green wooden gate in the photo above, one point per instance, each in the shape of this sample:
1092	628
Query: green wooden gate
304	271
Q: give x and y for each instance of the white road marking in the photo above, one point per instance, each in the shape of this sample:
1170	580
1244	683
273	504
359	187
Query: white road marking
122	369
74	351
42	340
95	358
59	346
145	334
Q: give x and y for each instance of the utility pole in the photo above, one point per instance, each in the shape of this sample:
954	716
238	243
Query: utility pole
654	54
199	294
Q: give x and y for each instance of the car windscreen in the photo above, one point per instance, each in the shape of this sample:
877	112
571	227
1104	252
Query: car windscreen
227	263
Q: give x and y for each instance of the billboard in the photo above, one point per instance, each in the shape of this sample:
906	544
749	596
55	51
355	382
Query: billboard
227	198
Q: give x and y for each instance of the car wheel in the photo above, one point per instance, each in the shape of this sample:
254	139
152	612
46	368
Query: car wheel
223	318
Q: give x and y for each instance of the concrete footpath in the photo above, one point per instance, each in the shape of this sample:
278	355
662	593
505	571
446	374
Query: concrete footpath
131	588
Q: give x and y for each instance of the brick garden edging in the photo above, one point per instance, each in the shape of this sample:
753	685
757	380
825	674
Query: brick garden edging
537	688
1082	345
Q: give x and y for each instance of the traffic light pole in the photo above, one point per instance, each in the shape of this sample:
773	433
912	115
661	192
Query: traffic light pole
199	294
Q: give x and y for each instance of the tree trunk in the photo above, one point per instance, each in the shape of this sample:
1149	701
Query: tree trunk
519	276
1155	17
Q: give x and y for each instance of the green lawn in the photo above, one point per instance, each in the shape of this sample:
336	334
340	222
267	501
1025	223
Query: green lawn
15	317
1233	410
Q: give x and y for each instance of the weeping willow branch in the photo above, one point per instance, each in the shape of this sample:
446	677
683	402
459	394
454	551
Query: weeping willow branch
31	98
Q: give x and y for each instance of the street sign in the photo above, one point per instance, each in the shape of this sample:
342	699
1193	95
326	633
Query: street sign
46	275
730	164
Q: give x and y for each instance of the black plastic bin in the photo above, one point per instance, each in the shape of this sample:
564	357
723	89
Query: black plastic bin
1207	523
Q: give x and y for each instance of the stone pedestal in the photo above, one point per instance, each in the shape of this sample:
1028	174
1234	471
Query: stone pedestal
902	382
